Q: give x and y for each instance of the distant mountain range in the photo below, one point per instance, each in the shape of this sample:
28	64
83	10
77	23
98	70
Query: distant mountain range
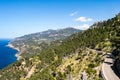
42	39
49	35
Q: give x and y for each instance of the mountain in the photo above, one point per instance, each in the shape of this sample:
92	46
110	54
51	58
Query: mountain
49	35
40	40
78	57
45	36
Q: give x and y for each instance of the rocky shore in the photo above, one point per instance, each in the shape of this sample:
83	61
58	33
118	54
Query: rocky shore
17	54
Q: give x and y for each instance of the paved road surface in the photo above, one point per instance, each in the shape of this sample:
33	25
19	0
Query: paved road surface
107	72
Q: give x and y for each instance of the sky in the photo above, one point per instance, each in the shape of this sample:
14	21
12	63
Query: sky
21	17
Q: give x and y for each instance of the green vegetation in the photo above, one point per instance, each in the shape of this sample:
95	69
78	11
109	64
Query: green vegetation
70	58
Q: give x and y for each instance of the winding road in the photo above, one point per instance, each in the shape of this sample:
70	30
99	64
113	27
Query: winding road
107	71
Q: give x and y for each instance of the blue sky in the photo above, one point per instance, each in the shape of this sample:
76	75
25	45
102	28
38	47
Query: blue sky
20	17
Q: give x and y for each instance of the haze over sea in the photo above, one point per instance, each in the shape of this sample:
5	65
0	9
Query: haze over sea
7	54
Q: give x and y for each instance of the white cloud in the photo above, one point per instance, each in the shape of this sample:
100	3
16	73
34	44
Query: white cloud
82	27
74	13
84	19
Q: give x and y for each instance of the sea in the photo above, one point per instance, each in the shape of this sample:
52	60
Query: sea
7	54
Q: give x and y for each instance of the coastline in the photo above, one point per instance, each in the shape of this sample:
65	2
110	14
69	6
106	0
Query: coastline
11	46
18	53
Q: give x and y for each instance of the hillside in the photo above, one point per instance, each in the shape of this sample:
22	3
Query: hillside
75	58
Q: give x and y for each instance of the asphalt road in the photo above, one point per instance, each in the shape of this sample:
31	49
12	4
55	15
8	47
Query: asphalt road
107	71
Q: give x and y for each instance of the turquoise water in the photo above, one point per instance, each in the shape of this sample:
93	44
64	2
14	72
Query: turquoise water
7	55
